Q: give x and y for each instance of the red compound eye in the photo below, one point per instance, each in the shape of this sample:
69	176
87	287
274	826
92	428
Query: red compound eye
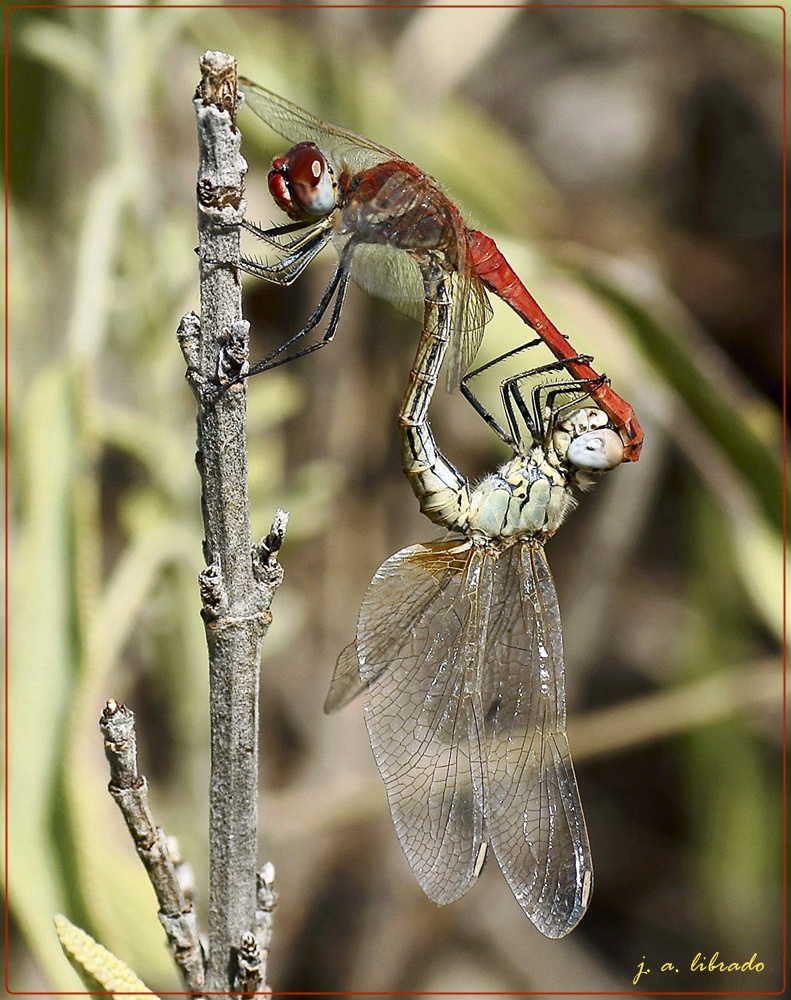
306	165
302	182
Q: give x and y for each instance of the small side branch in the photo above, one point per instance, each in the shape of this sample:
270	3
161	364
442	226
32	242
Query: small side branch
264	913
130	791
253	954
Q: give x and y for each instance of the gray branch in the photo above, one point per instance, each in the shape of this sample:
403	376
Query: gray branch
130	791
236	587
238	583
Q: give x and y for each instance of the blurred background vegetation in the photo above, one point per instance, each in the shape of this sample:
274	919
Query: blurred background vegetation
629	162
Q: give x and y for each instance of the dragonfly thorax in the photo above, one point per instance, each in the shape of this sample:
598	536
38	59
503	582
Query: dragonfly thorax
396	204
528	496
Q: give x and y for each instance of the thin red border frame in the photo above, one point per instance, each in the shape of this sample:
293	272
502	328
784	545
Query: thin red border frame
408	6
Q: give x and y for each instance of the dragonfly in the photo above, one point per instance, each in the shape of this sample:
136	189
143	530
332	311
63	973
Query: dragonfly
459	652
397	234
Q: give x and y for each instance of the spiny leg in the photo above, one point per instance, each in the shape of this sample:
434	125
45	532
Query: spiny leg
288	268
478	406
512	398
337	289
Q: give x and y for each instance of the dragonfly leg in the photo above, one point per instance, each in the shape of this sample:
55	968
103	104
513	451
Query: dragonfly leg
512	398
583	389
273	234
337	289
534	418
503	357
509	438
288	268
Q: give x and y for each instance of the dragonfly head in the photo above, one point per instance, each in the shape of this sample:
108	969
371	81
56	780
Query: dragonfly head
587	442
303	183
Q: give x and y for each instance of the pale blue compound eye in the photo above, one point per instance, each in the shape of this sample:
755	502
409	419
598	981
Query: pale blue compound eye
596	451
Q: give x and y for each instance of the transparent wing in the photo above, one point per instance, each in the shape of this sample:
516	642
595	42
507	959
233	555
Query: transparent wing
345	684
388	272
341	145
414	640
471	312
536	824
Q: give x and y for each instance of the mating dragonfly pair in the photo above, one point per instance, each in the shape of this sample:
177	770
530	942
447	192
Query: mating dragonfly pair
458	649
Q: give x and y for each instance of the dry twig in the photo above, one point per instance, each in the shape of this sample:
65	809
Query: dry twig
130	791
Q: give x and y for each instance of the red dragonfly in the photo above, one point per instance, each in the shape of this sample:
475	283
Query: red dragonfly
398	234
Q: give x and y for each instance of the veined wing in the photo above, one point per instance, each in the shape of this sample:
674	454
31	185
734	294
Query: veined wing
424	716
297	125
392	274
471	311
345	684
446	560
388	272
536	824
430	226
